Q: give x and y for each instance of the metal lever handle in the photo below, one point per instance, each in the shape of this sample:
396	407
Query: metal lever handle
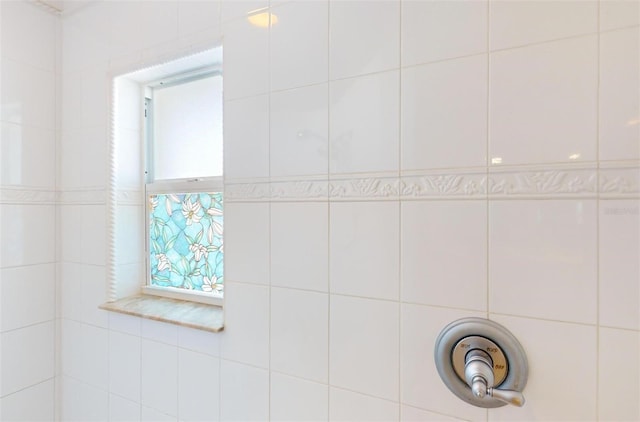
478	372
512	397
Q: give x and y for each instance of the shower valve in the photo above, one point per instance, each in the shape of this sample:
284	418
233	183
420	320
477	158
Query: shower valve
476	356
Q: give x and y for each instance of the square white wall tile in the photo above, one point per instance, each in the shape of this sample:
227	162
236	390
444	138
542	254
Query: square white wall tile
438	30
444	253
85	353
555	371
619	103
83	156
364	249
543	259
82	402
28	95
299	44
444	114
123	410
294	399
93	294
159	375
299	333
27	156
619	366
244	392
96	86
36	34
246	57
358	46
71	348
21	227
421	384
159	331
27	295
299	131
543	102
124	365
198	387
619	295
27	357
618	14
199	341
299	245
141	25
125	323
246	242
231	10
246	324
412	414
246	137
148	414
364	126
347	406
363	346
194	16
85	230
94	364
32	404
515	23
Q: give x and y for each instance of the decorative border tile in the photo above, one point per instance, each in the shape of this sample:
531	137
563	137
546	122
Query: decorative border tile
368	188
22	195
465	185
98	196
543	183
620	182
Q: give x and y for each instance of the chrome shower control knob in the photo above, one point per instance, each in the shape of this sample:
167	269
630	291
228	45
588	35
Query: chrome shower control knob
482	363
478	373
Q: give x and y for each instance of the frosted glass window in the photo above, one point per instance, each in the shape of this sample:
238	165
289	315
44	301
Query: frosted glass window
185	241
187	129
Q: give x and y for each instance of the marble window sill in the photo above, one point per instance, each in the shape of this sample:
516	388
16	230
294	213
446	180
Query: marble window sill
174	311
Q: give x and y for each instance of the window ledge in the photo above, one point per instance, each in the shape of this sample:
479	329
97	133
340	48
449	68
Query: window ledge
174	311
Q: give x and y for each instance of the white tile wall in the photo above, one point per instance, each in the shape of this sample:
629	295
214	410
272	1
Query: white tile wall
294	399
363	249
528	22
20	406
298	46
619	106
537	116
444	252
299	245
299	333
299	127
619	267
444	114
350	406
359	46
439	30
543	259
410	89
364	122
198	396
363	333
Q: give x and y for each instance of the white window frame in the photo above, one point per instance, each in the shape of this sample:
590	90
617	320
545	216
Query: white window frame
167	186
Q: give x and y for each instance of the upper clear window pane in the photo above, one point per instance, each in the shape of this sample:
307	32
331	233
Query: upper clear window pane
187	129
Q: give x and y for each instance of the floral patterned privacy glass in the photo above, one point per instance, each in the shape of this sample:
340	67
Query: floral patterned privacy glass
185	241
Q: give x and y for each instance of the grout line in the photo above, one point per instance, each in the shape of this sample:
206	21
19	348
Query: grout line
329	151
597	345
487	159
269	211
53	378
400	221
